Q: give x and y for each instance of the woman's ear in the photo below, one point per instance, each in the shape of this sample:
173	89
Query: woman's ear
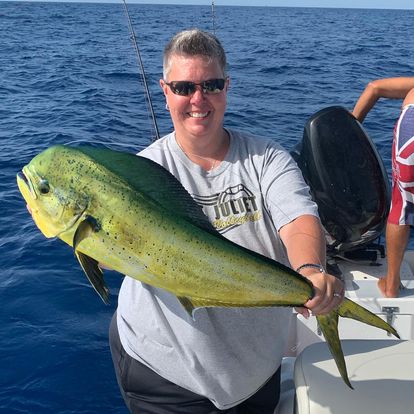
227	83
164	87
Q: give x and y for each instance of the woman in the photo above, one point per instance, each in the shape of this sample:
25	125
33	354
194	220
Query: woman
401	215
224	360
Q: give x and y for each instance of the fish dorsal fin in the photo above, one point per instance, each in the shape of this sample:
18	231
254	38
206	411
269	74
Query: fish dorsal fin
150	178
89	265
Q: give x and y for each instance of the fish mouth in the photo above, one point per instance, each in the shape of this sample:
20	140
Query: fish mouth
25	184
22	176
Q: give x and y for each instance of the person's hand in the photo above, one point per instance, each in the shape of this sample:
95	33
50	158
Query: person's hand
329	293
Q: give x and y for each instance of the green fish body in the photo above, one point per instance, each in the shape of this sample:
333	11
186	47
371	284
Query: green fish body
130	214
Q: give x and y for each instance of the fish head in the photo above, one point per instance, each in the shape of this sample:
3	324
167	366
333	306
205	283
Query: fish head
50	192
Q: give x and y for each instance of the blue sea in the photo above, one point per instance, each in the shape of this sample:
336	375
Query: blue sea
69	74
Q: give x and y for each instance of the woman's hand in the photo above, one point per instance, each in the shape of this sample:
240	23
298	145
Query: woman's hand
329	293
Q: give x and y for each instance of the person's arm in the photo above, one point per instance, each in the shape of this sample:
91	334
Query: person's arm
304	241
392	88
409	99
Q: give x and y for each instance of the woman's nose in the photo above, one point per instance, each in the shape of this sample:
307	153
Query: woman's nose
198	95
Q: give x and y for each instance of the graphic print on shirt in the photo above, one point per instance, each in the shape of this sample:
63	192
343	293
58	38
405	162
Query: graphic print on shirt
230	208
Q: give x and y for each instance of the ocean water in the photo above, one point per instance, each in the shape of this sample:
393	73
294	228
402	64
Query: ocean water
68	74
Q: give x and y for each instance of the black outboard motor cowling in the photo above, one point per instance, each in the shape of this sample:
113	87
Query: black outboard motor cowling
346	176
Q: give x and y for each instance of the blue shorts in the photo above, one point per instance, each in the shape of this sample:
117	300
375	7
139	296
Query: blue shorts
146	392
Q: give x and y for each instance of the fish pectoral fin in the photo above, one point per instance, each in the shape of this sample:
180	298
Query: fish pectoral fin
84	230
89	265
329	327
94	274
350	309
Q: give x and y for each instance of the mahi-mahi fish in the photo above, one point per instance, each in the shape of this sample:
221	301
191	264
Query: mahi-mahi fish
130	214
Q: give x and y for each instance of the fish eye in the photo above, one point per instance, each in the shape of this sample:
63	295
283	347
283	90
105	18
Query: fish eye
44	187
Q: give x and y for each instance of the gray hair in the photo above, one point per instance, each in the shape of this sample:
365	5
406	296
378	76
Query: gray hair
194	42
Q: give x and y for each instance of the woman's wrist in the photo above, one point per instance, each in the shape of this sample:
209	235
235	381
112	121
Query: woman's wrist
310	268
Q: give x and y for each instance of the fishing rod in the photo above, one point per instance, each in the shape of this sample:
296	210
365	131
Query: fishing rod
142	71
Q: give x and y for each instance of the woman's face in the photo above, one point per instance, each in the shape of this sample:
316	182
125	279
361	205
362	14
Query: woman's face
199	114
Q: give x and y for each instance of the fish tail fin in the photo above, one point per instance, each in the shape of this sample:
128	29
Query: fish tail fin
329	327
350	309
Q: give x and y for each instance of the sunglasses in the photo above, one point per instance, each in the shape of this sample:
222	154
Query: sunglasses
186	88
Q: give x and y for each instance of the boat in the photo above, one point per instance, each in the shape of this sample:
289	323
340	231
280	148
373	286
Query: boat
349	183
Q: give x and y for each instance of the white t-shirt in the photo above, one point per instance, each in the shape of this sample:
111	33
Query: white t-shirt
224	354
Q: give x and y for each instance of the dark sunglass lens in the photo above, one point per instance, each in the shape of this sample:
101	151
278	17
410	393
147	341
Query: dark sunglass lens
214	85
182	88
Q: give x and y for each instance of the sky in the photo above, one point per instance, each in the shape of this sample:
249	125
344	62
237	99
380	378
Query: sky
377	4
